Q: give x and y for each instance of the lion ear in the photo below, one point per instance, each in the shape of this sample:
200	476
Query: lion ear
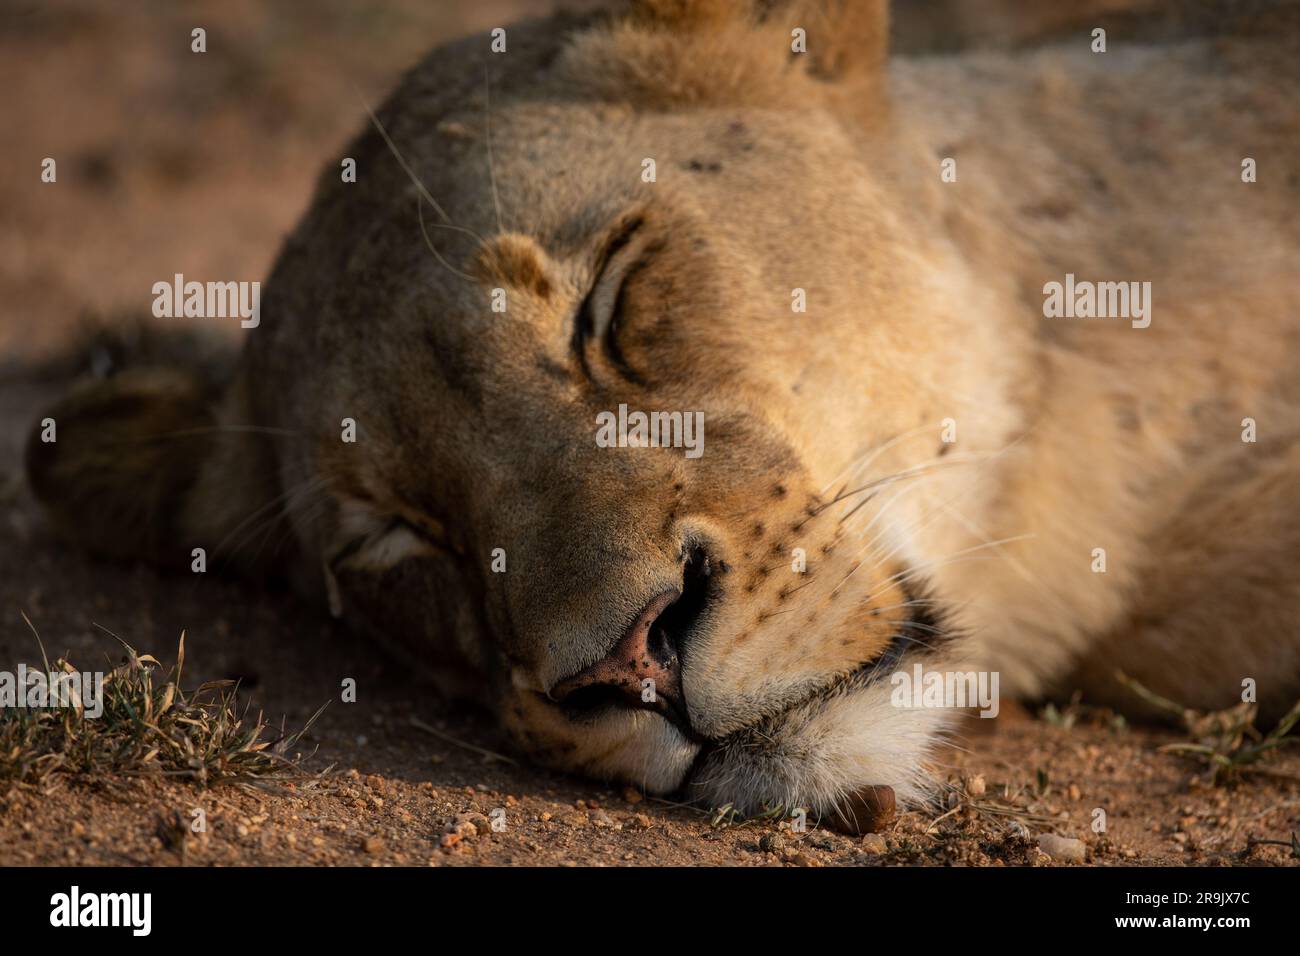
840	37
138	466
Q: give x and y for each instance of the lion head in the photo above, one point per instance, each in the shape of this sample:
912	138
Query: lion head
600	387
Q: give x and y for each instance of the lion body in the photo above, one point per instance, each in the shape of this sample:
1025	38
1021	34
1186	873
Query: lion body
1131	439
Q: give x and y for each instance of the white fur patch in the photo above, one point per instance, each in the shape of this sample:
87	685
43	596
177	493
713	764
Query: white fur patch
824	750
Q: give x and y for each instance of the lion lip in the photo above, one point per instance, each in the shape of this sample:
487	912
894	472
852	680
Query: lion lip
861	677
590	700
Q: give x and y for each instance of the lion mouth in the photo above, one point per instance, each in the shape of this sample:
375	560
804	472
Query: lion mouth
850	682
850	818
679	612
591	703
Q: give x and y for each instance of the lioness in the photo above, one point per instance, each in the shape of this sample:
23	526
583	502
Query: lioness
874	285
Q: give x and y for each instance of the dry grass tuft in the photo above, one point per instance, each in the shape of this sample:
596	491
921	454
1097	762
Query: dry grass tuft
149	725
1226	741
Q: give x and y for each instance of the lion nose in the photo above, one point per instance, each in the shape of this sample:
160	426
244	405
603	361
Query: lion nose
643	668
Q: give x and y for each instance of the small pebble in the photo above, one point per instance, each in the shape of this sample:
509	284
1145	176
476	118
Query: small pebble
1065	849
867	810
875	843
771	843
801	859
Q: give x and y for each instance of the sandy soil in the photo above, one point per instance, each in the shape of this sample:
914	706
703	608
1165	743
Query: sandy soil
169	162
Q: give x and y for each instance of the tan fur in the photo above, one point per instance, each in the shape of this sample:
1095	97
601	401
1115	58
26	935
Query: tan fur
925	304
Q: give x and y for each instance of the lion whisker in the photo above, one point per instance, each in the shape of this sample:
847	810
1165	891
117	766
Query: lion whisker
419	212
427	196
237	535
857	465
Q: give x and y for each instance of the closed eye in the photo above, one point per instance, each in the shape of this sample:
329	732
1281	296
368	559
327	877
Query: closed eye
428	532
375	543
601	313
398	542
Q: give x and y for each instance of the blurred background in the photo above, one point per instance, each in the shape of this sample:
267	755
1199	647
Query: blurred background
171	161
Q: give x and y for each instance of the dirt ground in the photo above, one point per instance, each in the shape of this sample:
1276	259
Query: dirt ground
171	162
